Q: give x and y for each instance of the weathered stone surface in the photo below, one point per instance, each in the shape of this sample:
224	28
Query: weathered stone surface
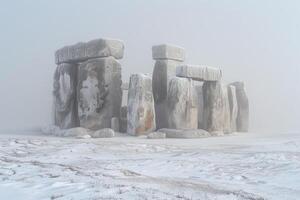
141	114
233	105
83	137
103	133
199	72
93	49
125	86
216	113
64	93
76	132
99	92
184	133
115	124
199	99
123	119
243	107
182	107
170	52
163	71
156	135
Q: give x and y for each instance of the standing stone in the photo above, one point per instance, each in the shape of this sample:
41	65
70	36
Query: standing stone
243	107
167	57
115	125
123	119
182	107
64	93
99	92
141	114
216	114
199	99
233	107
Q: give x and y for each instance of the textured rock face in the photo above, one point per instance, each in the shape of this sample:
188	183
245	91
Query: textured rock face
115	125
233	107
156	135
199	73
199	99
92	49
169	52
64	92
103	133
185	133
163	71
99	92
141	114
182	108
243	107
216	114
123	119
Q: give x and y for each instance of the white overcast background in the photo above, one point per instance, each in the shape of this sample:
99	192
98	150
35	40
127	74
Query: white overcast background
256	41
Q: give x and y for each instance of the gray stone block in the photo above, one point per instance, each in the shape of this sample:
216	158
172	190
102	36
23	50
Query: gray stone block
182	107
141	114
184	133
156	135
199	72
233	107
243	107
199	99
64	96
123	119
216	114
163	71
103	133
93	49
115	125
99	92
166	51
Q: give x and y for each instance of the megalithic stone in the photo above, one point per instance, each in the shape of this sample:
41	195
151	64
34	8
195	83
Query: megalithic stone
141	114
199	72
233	107
243	107
199	99
167	57
182	107
64	93
163	71
88	50
99	92
216	114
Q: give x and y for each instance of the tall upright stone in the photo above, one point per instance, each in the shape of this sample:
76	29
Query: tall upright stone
243	107
199	99
99	92
140	110
233	107
181	104
216	114
167	58
64	93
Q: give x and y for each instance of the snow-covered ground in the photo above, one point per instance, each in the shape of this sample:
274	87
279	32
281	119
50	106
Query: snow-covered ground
239	166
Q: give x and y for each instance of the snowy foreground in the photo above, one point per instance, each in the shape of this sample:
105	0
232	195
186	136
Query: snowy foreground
239	166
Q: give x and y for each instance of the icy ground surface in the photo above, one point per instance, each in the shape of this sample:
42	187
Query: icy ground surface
239	166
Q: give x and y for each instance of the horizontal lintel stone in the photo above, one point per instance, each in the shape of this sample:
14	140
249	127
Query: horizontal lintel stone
168	52
199	72
83	51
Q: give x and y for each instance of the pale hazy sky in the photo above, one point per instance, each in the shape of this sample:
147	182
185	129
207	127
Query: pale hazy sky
257	41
